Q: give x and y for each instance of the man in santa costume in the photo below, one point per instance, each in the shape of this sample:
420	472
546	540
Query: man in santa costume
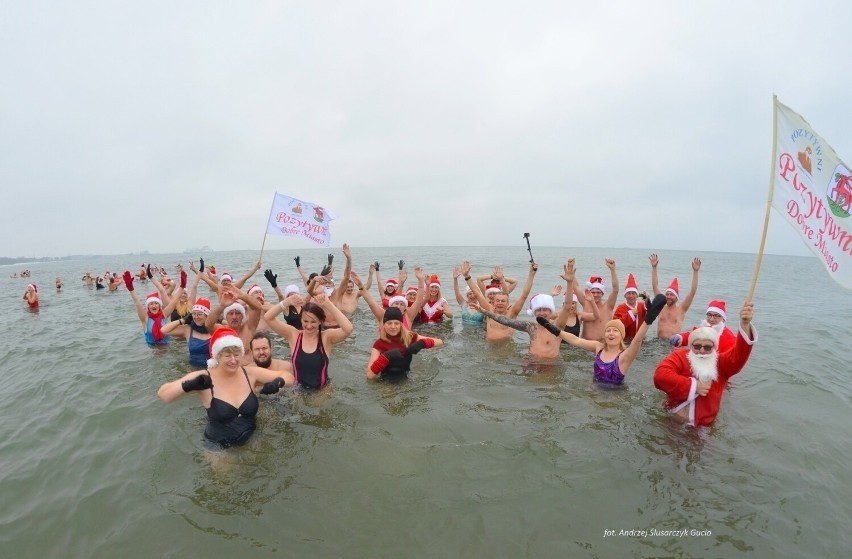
694	378
671	319
715	318
631	312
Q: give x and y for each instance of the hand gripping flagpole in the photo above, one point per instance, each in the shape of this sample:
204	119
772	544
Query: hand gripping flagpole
527	237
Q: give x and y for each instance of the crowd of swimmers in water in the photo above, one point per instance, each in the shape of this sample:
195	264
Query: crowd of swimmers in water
227	332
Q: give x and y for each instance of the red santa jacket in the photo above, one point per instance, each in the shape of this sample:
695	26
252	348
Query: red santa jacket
630	318
674	377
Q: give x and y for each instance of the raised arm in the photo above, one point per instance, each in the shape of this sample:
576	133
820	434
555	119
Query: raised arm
655	280
613	296
482	299
344	279
170	306
456	291
299	269
140	309
520	325
414	309
333	335
364	291
627	356
281	328
693	288
525	292
506	284
242	281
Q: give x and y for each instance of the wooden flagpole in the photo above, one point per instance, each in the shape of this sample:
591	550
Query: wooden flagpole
768	200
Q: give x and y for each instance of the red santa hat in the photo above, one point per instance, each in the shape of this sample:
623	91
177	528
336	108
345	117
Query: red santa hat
226	277
397	299
221	339
674	289
434	281
255	289
718	306
410	288
595	282
391	283
153	298
541	301
33	286
631	285
493	288
704	333
235	307
201	305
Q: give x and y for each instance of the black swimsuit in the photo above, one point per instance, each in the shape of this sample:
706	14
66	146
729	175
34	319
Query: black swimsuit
229	426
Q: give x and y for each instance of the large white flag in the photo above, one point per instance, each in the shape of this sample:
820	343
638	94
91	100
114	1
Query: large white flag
290	217
812	189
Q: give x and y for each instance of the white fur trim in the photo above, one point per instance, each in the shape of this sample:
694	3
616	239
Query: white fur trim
718	311
223	342
235	307
292	288
541	301
397	299
704	333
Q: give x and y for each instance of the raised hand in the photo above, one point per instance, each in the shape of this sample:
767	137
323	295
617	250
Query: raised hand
555	290
610	263
654	259
376	265
654	309
456	272
298	262
128	280
696	264
465	268
346	252
201	382
271	278
325	270
547	325
401	264
330	259
148	271
183	279
201	264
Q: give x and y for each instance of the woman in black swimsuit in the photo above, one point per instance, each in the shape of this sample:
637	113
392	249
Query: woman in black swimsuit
227	390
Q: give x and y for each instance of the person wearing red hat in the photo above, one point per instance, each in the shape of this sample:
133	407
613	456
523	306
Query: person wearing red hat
694	378
410	311
31	297
153	315
194	331
593	322
227	390
311	346
436	307
241	311
671	319
631	312
715	318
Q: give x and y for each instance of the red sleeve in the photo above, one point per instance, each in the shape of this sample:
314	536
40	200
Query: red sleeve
732	361
673	376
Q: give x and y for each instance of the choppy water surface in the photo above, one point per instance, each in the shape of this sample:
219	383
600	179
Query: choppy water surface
478	454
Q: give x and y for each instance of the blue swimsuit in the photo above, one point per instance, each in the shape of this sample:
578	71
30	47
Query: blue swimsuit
472	318
198	350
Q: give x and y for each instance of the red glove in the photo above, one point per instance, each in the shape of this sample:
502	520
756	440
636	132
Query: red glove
183	279
379	364
128	280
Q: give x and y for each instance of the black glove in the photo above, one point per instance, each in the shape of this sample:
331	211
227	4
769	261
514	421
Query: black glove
401	264
415	348
376	265
201	382
201	265
549	326
654	309
272	387
271	278
297	261
330	259
393	355
148	271
325	270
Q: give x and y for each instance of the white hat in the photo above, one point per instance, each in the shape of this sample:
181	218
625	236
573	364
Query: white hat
235	307
704	333
541	301
397	299
292	288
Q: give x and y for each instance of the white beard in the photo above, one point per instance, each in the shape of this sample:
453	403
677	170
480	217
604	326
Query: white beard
704	366
718	327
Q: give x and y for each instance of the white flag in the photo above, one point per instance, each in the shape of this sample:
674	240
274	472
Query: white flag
290	217
812	189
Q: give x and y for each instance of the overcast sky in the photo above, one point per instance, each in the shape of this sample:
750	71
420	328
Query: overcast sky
160	126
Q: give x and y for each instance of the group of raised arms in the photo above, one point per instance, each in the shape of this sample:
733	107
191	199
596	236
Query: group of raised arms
230	343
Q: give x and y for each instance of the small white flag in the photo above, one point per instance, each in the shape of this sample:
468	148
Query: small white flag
290	217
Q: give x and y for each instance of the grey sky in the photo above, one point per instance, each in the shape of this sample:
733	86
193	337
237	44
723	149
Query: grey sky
167	125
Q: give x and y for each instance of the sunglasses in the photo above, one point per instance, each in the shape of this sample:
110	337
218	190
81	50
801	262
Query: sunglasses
713	315
705	347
